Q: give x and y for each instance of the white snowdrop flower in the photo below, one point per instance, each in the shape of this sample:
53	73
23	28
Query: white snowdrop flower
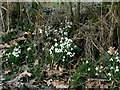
88	69
52	47
87	62
108	51
110	79
56	44
63	56
60	50
51	52
28	49
65	33
65	50
111	68
116	53
75	46
33	33
96	68
117	58
111	59
14	53
55	39
16	49
17	55
60	29
101	67
19	51
6	59
46	32
73	54
7	54
69	26
116	70
109	74
60	41
40	30
63	60
68	53
26	32
100	71
69	40
117	67
56	30
43	49
57	50
26	56
96	73
71	48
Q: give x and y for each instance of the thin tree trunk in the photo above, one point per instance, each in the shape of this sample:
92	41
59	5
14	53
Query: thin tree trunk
118	30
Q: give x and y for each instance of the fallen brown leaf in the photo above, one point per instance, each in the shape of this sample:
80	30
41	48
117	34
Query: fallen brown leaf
59	84
32	81
61	69
22	38
36	62
12	43
7	71
4	46
103	86
25	73
111	50
49	82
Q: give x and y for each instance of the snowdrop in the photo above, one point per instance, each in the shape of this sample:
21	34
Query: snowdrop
117	67
63	56
111	68
55	39
16	52
96	68
116	53
56	44
109	74
96	74
63	60
28	49
68	53
65	33
40	30
101	67
26	32
117	58
88	69
111	59
116	70
26	57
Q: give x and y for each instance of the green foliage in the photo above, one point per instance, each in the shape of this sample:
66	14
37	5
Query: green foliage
8	37
81	74
37	73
